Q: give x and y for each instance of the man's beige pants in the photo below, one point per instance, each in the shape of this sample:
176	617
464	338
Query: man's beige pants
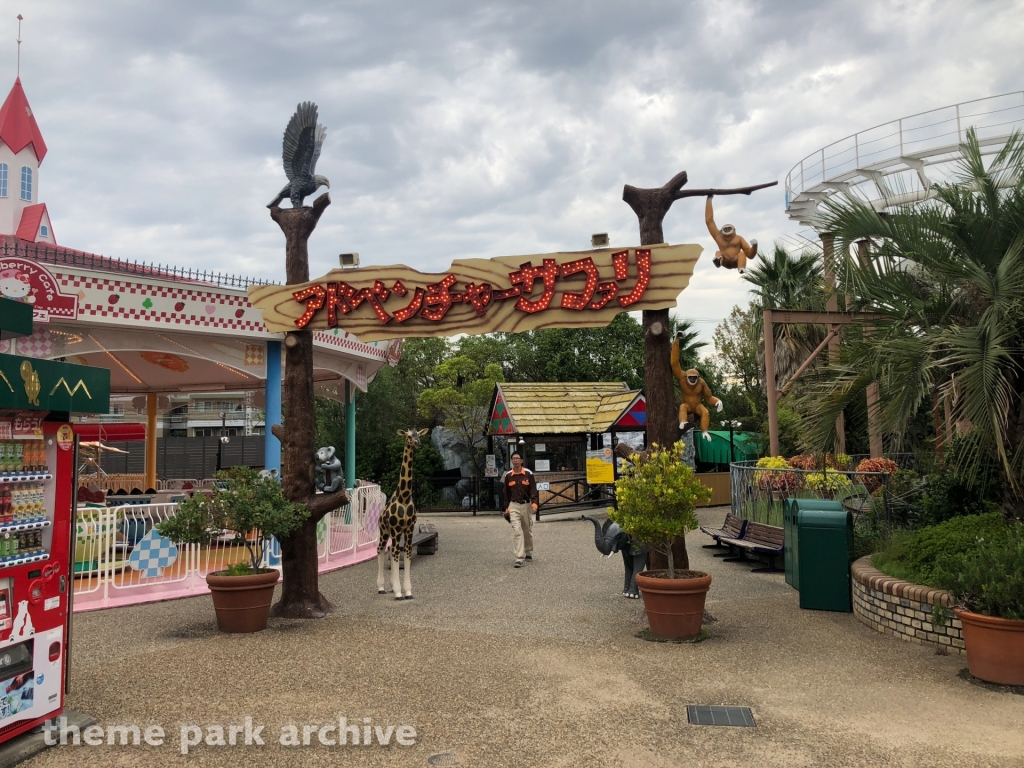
521	515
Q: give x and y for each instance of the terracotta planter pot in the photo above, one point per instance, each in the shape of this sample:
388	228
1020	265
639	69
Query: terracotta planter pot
675	607
995	647
242	603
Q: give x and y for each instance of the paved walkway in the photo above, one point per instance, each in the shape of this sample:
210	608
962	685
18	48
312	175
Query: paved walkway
535	667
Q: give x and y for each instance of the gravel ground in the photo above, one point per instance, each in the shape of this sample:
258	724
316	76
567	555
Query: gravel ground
539	666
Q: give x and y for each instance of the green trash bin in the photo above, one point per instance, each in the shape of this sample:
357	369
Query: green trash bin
824	548
791	554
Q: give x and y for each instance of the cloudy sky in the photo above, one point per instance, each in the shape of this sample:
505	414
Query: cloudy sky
461	129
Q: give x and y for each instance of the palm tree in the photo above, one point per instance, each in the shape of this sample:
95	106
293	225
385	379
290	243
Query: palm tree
945	278
784	281
689	346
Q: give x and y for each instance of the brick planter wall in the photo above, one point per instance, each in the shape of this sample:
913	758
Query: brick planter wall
902	609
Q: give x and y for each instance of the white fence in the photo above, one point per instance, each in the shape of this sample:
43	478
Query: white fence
121	560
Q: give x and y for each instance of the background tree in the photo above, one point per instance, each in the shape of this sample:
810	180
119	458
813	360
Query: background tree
390	404
610	353
784	281
427	463
689	343
330	424
737	340
458	400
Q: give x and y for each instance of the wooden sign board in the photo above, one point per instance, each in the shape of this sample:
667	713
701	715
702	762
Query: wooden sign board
509	293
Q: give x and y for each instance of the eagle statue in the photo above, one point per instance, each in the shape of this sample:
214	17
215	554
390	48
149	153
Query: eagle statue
303	139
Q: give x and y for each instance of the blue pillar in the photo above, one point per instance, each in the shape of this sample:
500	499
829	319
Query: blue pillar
272	446
350	435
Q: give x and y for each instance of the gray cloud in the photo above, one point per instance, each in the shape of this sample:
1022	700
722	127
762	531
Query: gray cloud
468	129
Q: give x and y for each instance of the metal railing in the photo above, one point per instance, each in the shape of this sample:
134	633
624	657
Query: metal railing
49	254
473	494
913	135
105	574
758	493
573	493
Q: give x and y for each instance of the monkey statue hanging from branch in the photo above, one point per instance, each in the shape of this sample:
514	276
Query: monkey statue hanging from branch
733	250
694	389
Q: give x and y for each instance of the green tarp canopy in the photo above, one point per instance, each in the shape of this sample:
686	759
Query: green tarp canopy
745	446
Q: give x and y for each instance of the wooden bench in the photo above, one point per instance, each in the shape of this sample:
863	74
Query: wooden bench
424	542
733	528
758	538
426	539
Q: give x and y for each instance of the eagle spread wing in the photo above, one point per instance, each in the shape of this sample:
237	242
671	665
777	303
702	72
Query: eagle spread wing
302	141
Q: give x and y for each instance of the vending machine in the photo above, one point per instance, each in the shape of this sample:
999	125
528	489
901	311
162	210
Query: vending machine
37	508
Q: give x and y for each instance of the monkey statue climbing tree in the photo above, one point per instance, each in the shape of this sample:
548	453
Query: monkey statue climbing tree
694	389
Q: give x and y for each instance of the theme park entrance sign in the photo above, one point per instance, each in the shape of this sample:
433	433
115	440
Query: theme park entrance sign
509	293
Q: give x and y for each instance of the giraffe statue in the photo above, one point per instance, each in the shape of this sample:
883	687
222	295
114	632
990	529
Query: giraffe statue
398	520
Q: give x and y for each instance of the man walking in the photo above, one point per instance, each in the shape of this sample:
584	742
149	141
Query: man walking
520	503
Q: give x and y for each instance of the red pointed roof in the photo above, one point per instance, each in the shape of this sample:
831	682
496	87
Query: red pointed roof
18	127
31	218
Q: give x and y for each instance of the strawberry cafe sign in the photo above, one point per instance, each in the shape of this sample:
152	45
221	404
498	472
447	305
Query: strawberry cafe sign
474	296
31	283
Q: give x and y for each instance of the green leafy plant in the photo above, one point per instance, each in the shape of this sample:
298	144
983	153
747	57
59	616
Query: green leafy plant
913	555
840	461
897	502
945	496
657	498
239	569
988	580
940	616
252	507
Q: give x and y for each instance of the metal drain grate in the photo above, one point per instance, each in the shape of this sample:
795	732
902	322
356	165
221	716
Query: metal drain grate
444	759
738	716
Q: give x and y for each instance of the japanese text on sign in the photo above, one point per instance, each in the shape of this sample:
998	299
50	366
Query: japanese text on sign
432	302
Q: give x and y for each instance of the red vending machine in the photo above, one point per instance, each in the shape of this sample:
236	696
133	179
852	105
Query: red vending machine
38	453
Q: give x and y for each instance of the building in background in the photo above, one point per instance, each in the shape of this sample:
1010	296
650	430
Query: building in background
219	414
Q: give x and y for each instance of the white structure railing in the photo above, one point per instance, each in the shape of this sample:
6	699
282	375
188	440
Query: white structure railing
898	161
115	567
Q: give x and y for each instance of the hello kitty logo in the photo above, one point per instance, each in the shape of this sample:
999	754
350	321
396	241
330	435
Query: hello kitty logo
16	286
31	283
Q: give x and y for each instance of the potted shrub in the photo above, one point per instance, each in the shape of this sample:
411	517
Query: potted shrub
988	585
253	508
656	498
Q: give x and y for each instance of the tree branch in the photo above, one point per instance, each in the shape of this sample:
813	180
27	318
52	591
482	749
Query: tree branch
736	191
322	503
318	208
321	203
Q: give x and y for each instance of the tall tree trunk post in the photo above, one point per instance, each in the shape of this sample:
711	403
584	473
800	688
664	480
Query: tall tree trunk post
650	207
300	591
